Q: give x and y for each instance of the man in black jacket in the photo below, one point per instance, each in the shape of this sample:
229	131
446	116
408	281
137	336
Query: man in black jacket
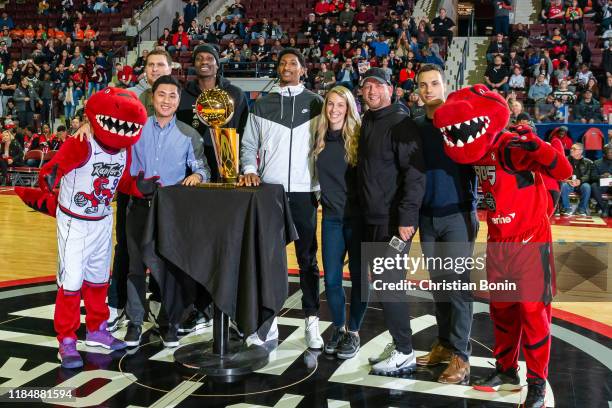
580	181
206	63
391	177
602	169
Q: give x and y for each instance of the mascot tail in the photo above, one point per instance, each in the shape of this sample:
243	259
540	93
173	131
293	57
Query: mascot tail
43	201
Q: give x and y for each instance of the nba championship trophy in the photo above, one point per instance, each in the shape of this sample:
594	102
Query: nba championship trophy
215	108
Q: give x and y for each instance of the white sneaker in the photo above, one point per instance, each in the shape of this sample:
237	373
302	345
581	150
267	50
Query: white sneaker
271	336
154	309
116	318
312	335
397	363
384	355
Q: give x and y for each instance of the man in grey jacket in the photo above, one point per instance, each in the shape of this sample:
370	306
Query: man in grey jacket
281	131
26	101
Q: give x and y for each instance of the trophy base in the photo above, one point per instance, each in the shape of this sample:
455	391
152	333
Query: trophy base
219	185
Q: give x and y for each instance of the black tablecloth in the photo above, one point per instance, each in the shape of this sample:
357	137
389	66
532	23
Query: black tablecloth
232	241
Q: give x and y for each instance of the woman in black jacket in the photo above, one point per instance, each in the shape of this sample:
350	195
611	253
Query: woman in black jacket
11	154
336	153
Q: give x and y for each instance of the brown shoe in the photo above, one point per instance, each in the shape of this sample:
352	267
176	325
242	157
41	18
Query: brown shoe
457	372
438	355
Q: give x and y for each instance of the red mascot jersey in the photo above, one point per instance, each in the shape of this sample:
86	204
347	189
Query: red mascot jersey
516	198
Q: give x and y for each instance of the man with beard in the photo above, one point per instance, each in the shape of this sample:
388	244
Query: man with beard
391	176
206	62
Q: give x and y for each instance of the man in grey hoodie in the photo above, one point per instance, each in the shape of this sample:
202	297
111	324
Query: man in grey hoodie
281	131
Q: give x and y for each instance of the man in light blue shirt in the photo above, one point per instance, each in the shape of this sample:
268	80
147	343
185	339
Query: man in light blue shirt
168	149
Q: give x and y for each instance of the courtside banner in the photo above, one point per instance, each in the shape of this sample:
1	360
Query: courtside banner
504	272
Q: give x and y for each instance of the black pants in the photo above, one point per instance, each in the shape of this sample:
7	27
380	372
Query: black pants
397	312
137	214
451	236
4	171
117	291
304	213
26	118
596	193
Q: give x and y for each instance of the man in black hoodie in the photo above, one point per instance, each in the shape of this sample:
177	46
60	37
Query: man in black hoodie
391	175
206	62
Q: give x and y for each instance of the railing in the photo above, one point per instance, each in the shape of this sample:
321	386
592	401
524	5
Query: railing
471	26
149	27
116	54
460	77
248	69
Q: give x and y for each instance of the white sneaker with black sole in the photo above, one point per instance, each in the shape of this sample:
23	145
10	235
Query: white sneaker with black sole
116	319
272	336
311	333
170	337
397	363
389	348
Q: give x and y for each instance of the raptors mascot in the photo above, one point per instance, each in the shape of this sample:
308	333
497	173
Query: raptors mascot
511	167
88	173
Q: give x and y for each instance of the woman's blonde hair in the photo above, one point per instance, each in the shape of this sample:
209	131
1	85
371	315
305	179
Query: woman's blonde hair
350	129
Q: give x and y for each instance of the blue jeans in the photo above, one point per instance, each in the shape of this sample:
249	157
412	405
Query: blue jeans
69	111
585	195
338	237
93	87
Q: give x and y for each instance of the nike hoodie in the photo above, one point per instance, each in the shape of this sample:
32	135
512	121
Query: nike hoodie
279	138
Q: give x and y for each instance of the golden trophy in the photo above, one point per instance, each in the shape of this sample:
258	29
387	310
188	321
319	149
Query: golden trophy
215	108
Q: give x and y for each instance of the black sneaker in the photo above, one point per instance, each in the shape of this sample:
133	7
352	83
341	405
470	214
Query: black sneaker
133	335
349	346
499	381
195	321
566	212
170	337
536	393
331	346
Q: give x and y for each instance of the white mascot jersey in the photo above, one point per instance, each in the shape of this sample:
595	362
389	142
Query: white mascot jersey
87	191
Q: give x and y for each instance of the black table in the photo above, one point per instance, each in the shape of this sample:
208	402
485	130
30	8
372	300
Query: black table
231	241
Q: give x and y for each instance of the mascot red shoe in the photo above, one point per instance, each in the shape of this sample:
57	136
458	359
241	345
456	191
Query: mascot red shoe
88	173
511	167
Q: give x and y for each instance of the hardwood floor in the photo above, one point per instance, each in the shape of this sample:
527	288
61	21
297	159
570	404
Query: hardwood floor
28	249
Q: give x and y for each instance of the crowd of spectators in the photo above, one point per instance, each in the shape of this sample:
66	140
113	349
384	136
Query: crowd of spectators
339	39
556	70
60	64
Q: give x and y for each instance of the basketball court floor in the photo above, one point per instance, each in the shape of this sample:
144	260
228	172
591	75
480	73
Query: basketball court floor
580	369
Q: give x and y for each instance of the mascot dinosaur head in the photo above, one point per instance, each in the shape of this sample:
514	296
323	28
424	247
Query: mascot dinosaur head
116	117
469	120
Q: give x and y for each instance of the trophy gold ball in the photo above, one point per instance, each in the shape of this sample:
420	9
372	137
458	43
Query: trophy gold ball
215	108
